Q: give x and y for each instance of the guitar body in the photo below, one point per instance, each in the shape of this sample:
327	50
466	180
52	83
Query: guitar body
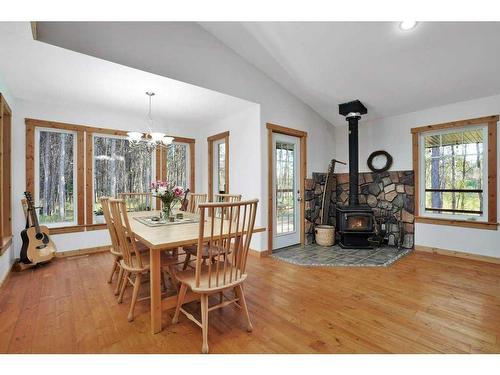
37	246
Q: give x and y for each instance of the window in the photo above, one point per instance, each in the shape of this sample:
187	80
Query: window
455	171
55	174
221	167
5	176
118	168
178	164
70	167
218	164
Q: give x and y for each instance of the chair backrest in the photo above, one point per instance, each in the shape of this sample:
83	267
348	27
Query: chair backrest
137	201
225	198
227	239
110	225
194	202
126	240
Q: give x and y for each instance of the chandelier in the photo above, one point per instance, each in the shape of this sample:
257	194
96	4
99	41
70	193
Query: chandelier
150	140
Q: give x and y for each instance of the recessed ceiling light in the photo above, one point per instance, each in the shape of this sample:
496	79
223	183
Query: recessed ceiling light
407	25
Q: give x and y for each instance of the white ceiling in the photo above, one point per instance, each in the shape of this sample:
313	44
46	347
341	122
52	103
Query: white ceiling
390	71
42	72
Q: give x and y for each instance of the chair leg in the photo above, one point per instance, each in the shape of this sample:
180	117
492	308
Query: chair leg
123	286
119	282
180	301
241	297
135	293
113	270
204	322
186	261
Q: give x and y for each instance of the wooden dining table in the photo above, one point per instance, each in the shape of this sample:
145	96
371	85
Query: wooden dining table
167	238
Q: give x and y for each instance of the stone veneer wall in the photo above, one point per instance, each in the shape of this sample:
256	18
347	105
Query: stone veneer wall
388	192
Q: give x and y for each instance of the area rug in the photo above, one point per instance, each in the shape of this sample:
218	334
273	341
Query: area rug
335	256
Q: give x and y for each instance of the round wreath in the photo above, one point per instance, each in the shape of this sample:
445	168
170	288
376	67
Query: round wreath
373	155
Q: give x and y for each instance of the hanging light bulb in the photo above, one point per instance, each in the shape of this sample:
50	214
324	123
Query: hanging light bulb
149	140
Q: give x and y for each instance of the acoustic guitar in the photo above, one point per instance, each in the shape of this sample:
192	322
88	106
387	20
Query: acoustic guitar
185	201
37	245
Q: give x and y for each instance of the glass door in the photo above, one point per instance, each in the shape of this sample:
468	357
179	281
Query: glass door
286	193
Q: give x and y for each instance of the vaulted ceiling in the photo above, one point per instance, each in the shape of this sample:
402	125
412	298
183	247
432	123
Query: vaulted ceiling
327	63
390	70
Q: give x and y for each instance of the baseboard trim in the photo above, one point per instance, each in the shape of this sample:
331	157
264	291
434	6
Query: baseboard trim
77	252
258	254
457	254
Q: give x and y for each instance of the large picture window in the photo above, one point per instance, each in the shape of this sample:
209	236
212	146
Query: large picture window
178	164
55	176
70	167
455	170
118	168
455	173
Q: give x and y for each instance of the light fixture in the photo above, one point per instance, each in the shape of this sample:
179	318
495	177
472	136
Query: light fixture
407	25
150	140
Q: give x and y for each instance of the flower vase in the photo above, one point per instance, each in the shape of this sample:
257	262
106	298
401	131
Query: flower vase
166	211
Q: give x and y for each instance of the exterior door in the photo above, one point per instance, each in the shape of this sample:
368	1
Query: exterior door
286	190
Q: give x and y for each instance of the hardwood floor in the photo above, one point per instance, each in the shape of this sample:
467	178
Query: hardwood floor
424	303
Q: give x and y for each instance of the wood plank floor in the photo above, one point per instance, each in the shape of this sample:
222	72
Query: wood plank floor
424	303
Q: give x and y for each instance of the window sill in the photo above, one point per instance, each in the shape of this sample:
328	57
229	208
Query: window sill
76	228
457	223
5	243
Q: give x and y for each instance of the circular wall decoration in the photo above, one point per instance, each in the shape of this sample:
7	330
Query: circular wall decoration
379	161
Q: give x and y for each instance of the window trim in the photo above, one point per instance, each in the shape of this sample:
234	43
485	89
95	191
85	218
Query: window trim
212	140
490	188
5	183
84	161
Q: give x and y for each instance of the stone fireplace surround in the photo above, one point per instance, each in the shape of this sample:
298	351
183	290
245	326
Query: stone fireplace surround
391	191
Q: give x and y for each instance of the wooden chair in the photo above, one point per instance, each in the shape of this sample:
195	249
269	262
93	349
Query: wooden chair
137	201
194	202
192	250
115	248
135	263
227	240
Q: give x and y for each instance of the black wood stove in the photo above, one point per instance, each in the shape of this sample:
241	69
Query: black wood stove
355	222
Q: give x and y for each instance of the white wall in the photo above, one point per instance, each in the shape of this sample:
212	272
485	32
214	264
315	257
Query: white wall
7	258
245	157
393	135
76	114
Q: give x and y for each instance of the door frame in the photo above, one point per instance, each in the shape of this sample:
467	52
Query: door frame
302	135
211	140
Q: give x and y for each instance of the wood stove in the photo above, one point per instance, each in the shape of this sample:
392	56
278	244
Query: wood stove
355	222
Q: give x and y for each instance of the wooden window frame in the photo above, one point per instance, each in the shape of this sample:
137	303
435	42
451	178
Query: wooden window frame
5	175
302	135
491	123
84	161
211	140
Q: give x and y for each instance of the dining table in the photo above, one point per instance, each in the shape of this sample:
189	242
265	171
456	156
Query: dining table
168	237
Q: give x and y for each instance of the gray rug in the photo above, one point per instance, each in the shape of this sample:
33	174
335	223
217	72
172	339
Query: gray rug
335	256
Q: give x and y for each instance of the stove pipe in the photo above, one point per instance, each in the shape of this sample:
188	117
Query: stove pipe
353	111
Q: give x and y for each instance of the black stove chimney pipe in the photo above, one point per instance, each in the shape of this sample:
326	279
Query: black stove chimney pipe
353	111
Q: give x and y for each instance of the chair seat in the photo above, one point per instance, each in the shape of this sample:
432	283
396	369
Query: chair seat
188	277
167	260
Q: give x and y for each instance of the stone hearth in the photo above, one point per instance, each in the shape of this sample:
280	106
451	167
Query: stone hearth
387	193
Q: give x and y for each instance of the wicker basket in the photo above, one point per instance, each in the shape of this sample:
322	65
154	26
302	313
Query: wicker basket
325	235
